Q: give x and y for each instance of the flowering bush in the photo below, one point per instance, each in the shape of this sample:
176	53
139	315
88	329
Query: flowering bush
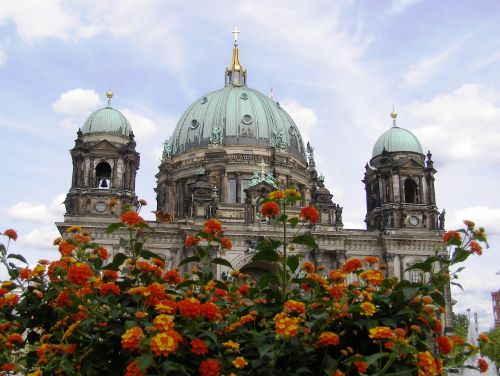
84	315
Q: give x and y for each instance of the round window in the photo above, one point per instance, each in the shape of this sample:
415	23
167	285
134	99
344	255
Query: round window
247	119
194	124
204	100
244	96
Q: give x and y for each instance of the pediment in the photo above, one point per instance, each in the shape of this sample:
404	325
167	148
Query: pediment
104	145
411	163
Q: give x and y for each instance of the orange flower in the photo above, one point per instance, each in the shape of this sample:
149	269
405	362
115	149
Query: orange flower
445	345
361	366
427	364
190	308
226	243
336	275
143	202
294	306
476	248
212	227
457	340
103	253
336	291
209	367
338	373
25	273
243	289
210	311
164	322
165	343
381	332
198	346
166	306
470	225
328	339
482	365
308	267
276	195
368	309
111	274
110	288
134	370
310	213
66	249
132	338
239	362
131	218
15	337
292	192
373	277
140	315
484	338
285	325
191	241
232	346
79	273
7	367
172	277
10	233
351	265
372	259
270	209
447	236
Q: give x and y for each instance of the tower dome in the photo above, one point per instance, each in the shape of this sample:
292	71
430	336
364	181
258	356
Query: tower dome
397	139
236	115
107	120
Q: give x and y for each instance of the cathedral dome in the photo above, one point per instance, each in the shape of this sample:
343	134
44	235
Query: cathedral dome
244	116
236	115
397	139
107	120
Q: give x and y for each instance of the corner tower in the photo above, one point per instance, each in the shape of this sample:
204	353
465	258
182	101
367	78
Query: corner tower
104	165
399	183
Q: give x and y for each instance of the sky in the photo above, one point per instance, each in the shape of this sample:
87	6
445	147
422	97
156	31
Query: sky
337	67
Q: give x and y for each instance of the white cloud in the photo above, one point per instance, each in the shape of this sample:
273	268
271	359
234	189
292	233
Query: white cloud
39	238
421	72
37	212
304	117
399	6
35	20
142	126
77	102
462	125
483	216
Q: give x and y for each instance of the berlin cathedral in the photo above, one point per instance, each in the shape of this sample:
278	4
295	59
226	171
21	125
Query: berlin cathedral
230	148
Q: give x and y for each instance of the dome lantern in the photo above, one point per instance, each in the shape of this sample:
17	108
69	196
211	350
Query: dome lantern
236	75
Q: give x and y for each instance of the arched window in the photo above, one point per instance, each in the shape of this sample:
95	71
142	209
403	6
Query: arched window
103	175
410	191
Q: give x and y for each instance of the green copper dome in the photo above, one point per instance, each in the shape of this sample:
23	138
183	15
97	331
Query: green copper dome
236	115
107	120
397	139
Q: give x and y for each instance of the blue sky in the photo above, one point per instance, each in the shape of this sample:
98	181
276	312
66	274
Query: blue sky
338	67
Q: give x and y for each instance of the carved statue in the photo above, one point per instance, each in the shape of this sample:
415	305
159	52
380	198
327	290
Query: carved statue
278	138
442	219
338	214
310	156
216	136
167	149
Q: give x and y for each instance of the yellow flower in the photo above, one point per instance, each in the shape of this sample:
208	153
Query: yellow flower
74	229
233	346
368	309
239	362
164	322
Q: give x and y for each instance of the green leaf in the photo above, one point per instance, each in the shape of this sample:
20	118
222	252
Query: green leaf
187	260
292	262
3	250
266	255
221	285
187	283
118	260
145	361
267	244
267	279
293	221
113	227
305	240
266	350
148	254
438	298
17	257
425	266
138	247
221	261
459	255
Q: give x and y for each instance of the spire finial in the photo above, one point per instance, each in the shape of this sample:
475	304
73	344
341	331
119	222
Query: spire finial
235	32
394	115
236	75
109	94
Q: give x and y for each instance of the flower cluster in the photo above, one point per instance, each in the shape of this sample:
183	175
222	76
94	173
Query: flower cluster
131	314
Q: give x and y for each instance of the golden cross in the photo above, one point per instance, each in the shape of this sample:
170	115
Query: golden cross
235	32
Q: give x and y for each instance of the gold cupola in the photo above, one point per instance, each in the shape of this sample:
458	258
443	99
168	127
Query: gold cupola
236	75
